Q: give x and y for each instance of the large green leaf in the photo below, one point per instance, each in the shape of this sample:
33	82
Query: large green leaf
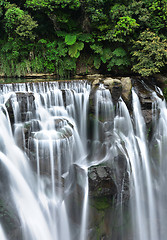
70	39
74	50
80	45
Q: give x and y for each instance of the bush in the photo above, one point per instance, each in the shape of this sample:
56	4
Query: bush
149	54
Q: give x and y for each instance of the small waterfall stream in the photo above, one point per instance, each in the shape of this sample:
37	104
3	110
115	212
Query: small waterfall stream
54	137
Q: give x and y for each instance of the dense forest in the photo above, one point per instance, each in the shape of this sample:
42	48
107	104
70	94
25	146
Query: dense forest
61	36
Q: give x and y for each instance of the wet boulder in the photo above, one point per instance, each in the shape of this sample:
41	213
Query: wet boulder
115	87
126	88
101	182
24	108
26	104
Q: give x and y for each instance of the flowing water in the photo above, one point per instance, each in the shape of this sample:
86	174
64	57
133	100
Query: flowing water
48	150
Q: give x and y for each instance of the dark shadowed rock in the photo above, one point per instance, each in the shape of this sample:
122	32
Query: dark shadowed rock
120	169
101	182
146	100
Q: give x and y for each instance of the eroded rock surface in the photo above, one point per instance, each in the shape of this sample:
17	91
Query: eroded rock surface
101	182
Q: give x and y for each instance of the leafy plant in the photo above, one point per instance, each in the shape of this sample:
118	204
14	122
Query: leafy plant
119	59
74	50
102	55
70	39
19	23
149	53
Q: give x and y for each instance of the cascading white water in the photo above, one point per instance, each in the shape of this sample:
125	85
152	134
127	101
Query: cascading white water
55	141
49	137
135	148
147	197
159	158
2	235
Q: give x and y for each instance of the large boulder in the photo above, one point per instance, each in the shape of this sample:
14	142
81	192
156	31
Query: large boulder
118	87
115	87
126	88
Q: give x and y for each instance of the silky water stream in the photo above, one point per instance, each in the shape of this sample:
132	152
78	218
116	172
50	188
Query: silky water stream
52	134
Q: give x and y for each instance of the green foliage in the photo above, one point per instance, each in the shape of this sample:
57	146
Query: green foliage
70	39
97	62
102	54
55	35
149	53
74	50
158	12
123	28
85	37
119	59
1	12
15	58
19	23
56	58
53	4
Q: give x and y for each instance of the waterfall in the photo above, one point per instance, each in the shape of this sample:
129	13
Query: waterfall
57	137
50	128
158	152
2	235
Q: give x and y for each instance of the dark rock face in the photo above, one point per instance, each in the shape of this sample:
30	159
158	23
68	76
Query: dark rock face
146	101
101	183
121	178
9	108
9	217
74	186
